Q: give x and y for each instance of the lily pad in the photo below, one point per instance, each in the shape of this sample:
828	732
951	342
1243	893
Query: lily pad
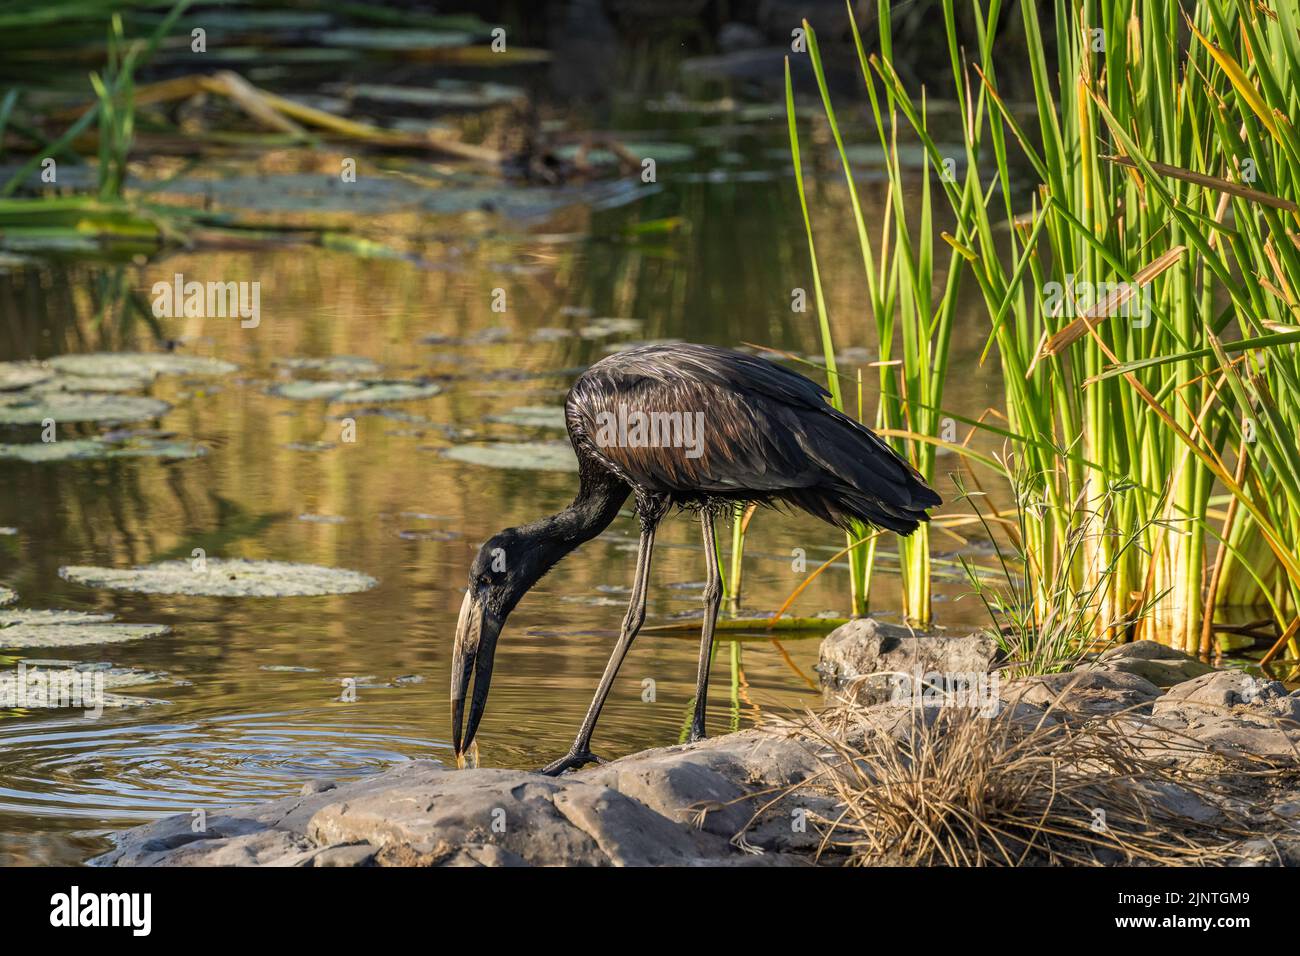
82	449
525	456
41	618
356	392
74	635
223	578
104	670
7	596
29	409
49	684
63	382
532	416
22	375
333	365
304	391
391	392
140	364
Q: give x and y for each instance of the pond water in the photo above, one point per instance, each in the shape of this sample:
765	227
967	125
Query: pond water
253	691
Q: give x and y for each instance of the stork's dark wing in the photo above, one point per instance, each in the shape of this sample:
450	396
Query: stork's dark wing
746	425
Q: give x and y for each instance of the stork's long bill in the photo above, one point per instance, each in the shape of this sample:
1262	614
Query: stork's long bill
471	657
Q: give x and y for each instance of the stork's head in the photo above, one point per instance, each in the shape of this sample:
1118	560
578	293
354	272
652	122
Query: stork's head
499	577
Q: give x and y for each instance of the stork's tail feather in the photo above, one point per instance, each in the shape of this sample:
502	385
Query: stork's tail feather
867	481
843	506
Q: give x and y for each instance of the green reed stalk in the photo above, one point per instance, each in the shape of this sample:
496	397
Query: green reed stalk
857	573
899	283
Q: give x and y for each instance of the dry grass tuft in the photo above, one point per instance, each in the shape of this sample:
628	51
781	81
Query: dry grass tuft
950	787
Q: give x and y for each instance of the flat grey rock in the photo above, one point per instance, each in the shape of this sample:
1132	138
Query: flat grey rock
1161	665
1230	713
879	661
1086	691
673	806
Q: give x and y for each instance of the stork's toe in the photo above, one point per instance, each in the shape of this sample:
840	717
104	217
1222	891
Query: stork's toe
571	761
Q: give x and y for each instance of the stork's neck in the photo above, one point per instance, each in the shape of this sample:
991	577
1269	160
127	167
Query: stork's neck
543	543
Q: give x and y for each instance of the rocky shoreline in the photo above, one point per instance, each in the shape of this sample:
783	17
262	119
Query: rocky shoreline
761	796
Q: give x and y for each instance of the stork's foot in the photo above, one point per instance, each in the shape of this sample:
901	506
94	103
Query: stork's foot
697	729
570	761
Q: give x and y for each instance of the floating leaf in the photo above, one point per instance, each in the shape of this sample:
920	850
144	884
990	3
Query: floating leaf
532	416
224	578
28	409
74	635
391	392
304	391
101	670
64	382
82	449
140	364
361	392
15	375
41	618
527	456
333	365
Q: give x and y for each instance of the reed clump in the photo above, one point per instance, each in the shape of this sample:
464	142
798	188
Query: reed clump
1134	241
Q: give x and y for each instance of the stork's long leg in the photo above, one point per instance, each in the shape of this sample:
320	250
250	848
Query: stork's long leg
712	601
580	753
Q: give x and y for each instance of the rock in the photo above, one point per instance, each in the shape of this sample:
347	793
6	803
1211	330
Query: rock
643	810
708	784
357	854
879	662
1229	713
1087	691
1222	690
1161	665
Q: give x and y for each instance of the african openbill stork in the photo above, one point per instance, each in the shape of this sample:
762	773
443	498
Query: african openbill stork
760	433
